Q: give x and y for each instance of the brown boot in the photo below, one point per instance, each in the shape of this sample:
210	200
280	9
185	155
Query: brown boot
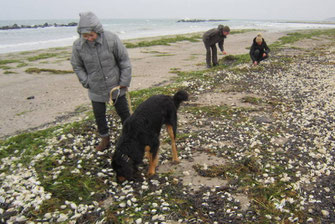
104	144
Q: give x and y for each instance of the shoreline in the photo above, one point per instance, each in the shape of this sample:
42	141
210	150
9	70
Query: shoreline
53	41
58	95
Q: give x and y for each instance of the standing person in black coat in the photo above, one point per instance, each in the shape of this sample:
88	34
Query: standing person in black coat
210	39
259	50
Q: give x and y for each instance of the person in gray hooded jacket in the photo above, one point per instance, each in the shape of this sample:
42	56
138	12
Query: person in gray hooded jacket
101	63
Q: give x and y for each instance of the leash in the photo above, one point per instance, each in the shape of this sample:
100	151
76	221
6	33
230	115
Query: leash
118	94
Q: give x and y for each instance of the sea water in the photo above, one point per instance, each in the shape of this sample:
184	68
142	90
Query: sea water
40	38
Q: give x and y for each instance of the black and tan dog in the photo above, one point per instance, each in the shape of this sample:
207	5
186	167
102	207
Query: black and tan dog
140	134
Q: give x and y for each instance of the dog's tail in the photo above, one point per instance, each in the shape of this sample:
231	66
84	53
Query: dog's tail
179	97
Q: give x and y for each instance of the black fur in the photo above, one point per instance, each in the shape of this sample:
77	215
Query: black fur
142	129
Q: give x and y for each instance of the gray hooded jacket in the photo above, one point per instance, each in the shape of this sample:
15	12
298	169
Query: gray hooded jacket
100	65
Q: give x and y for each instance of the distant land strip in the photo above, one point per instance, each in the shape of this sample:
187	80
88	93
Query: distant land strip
200	20
327	22
15	26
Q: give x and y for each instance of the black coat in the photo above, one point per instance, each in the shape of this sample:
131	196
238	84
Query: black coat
263	48
213	36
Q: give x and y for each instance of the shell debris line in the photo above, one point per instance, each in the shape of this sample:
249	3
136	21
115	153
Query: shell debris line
268	157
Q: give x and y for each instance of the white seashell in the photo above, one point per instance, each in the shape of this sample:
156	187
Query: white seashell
73	206
2	199
186	173
62	218
325	213
21	219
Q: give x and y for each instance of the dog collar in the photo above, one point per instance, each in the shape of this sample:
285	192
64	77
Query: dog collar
125	157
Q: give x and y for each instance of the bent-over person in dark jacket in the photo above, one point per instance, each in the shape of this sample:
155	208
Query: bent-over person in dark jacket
259	50
101	63
210	39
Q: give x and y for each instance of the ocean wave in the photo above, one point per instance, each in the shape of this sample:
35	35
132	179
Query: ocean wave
26	46
31	39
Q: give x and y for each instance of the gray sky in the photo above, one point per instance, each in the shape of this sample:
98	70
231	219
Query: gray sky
208	9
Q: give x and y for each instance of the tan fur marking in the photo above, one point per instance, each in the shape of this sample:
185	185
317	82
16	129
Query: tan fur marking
151	170
173	143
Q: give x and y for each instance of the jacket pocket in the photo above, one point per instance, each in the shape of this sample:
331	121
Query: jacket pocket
113	77
96	83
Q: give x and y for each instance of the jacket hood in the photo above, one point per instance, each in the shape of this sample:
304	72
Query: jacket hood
89	22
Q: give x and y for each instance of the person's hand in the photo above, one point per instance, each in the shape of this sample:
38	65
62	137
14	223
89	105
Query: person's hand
255	63
224	53
264	55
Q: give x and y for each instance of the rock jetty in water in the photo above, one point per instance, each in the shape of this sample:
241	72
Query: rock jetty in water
15	26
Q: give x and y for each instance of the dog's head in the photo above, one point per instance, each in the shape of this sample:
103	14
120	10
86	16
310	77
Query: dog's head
122	163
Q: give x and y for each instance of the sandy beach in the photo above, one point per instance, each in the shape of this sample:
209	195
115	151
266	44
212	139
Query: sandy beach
32	101
256	143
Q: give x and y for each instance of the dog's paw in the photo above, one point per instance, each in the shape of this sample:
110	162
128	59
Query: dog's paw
138	177
175	161
151	176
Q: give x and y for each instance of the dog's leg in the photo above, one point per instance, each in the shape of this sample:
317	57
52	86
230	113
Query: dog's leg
173	144
152	166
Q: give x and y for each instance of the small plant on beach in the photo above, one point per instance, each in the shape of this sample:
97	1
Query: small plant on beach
151	52
235	59
252	100
52	71
8	61
174	70
22	65
164	55
22	113
5	67
42	56
9	72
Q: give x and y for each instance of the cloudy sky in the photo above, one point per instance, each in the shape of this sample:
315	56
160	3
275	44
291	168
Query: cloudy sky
208	9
